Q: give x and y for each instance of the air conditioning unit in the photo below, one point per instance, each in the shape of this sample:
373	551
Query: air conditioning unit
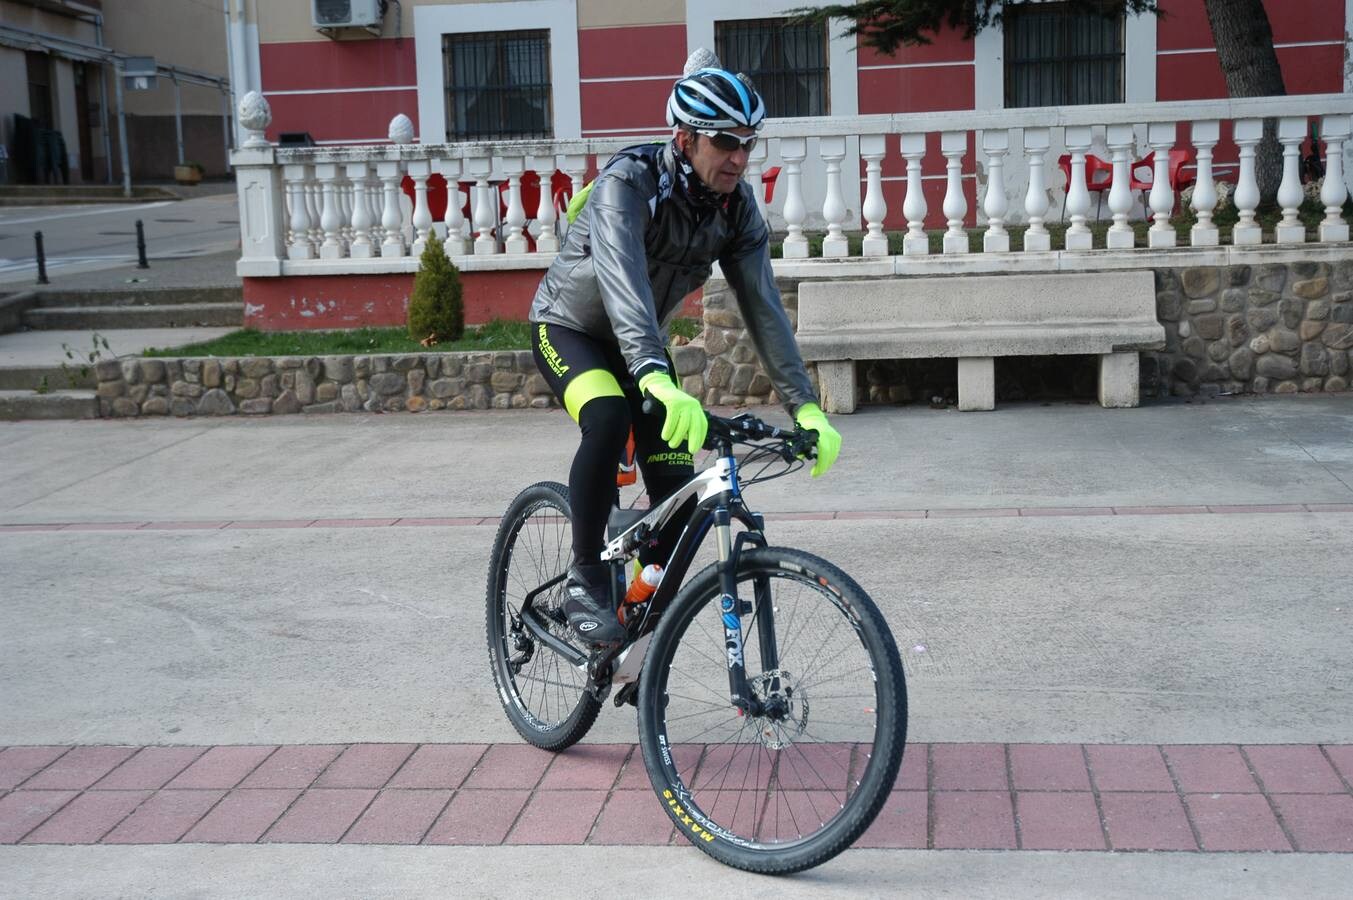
329	14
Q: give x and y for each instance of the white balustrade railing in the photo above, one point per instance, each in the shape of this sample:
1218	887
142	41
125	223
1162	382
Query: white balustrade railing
370	208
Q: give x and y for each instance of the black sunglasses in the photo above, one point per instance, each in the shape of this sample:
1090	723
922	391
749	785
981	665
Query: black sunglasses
727	141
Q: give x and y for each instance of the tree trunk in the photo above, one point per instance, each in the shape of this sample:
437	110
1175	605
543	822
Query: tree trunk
1244	40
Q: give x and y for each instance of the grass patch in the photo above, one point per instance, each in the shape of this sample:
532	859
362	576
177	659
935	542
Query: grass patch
499	334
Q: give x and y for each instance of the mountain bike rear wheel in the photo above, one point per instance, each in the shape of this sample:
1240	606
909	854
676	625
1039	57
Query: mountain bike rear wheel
546	698
790	789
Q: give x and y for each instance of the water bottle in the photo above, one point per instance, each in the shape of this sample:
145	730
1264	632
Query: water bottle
645	584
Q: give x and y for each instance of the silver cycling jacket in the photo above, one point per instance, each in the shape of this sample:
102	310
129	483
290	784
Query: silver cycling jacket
630	259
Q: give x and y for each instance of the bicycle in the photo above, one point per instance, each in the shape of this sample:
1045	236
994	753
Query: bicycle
771	698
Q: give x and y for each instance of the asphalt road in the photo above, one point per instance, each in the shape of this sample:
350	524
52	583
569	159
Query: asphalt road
90	237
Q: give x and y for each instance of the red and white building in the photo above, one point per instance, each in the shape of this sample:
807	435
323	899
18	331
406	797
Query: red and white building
577	78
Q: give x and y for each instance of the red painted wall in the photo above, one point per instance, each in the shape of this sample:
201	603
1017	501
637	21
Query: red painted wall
330	65
308	302
318	302
654	54
1197	76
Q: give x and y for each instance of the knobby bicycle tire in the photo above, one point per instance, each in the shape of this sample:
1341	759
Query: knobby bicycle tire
751	800
547	700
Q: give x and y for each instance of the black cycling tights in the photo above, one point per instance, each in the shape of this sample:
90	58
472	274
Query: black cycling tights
605	424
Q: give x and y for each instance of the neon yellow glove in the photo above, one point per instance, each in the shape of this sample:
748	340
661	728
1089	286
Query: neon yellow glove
685	420
811	418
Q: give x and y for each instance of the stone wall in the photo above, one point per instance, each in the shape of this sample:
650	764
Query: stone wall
291	384
731	374
1278	327
1271	327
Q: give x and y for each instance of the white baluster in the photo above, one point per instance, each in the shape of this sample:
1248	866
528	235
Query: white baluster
391	221
1333	192
756	167
1119	139
515	242
483	206
953	144
300	246
1291	132
362	248
329	218
1078	236
343	190
1204	233
455	243
1247	134
1036	143
314	204
375	198
793	151
1161	136
419	170
875	208
286	209
995	143
833	150
546	215
914	208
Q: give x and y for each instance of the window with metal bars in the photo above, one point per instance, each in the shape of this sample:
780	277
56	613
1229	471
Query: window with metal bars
1059	56
497	85
787	63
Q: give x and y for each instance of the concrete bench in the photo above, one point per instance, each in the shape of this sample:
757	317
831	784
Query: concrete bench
976	319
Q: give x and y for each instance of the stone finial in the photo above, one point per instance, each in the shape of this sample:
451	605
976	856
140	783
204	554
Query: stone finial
700	58
255	115
401	129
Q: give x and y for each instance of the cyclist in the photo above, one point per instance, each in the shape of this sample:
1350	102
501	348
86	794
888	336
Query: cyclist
655	220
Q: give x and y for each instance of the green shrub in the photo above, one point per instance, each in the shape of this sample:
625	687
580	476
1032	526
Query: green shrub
436	309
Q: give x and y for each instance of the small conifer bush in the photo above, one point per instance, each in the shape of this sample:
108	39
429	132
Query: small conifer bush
436	309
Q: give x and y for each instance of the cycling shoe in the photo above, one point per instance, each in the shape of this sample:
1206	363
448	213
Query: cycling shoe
587	603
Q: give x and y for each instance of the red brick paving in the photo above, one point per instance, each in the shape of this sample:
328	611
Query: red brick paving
1059	821
1147	822
365	766
1213	798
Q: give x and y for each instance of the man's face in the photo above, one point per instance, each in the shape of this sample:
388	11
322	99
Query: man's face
719	169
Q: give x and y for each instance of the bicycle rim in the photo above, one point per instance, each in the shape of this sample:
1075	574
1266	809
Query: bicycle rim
545	697
784	792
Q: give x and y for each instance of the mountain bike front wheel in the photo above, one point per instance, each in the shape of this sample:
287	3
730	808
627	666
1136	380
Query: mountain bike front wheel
546	698
790	788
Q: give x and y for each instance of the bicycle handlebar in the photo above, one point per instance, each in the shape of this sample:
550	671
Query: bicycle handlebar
746	428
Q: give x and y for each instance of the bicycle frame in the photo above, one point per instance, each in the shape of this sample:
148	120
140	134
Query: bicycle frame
718	497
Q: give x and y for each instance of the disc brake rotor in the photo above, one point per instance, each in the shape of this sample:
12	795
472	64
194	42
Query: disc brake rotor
786	709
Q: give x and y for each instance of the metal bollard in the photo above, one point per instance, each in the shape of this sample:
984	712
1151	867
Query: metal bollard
141	247
42	258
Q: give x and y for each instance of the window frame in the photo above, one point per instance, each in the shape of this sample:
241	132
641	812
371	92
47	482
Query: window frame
1055	67
506	89
772	88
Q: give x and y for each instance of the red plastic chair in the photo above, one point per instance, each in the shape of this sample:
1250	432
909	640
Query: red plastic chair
1098	178
768	179
1178	178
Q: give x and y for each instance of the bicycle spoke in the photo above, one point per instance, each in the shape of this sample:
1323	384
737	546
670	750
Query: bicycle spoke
784	775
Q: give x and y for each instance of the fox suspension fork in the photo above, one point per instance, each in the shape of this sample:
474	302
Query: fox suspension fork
732	608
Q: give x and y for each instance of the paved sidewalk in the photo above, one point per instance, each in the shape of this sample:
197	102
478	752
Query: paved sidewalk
258	646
